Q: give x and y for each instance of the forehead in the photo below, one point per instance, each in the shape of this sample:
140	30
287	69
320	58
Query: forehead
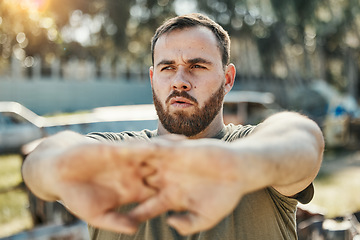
189	43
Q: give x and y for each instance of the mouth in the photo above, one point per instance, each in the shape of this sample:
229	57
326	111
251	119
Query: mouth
181	102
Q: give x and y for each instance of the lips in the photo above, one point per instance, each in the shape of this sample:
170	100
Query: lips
180	100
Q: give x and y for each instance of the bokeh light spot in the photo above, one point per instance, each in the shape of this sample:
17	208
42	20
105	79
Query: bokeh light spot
20	37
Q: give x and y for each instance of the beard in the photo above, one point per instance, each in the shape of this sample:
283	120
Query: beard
181	122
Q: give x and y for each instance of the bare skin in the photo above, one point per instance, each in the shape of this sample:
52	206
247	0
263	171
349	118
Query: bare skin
91	179
206	178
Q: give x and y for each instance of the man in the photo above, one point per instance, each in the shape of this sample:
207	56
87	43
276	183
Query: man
210	181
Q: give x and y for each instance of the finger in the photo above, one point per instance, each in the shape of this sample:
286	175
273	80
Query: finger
154	181
141	195
189	223
149	209
115	222
146	169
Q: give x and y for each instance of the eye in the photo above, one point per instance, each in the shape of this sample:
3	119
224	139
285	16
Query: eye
198	66
167	68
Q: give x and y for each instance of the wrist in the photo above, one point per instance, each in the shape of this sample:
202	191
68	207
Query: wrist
39	174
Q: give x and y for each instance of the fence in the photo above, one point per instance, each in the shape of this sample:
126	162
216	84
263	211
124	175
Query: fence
81	84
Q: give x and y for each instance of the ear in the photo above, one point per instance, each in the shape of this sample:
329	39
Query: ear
230	73
151	74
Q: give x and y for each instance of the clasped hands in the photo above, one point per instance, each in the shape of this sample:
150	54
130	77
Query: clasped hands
195	176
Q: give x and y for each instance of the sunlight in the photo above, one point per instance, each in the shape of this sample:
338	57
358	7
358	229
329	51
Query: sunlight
39	5
185	6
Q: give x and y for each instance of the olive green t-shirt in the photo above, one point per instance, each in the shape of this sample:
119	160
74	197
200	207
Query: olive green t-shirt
261	215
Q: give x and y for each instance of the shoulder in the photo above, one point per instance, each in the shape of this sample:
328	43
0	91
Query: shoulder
123	136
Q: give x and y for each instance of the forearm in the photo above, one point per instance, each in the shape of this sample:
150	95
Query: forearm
39	168
285	152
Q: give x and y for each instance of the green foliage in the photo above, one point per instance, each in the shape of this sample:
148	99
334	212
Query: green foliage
285	38
302	36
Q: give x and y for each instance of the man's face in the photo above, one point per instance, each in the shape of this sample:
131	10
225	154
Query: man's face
188	80
185	123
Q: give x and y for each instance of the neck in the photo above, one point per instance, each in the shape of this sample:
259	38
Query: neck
210	131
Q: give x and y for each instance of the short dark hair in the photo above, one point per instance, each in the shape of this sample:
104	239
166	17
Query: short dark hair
194	20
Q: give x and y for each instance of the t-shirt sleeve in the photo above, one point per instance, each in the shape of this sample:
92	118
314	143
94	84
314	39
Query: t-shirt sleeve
306	195
246	130
288	204
105	136
122	136
238	131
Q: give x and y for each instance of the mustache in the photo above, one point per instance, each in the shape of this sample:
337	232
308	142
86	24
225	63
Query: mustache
181	94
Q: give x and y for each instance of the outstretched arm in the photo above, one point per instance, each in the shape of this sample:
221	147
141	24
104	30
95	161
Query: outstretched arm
285	151
207	178
40	166
92	179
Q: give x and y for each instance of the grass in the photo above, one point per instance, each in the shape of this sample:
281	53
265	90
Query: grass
337	186
9	171
336	190
339	195
14	214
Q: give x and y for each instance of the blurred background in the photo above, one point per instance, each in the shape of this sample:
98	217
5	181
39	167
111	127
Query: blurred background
63	63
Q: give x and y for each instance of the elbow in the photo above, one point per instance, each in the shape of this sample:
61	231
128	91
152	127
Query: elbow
319	141
318	145
308	126
309	132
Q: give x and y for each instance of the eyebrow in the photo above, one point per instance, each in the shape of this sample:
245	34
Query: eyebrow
198	60
189	61
165	62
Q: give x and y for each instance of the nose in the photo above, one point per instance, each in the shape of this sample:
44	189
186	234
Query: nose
180	81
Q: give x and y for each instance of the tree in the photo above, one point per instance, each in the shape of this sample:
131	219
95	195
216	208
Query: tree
294	40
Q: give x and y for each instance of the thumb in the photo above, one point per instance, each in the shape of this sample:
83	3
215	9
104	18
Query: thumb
151	208
115	222
189	223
